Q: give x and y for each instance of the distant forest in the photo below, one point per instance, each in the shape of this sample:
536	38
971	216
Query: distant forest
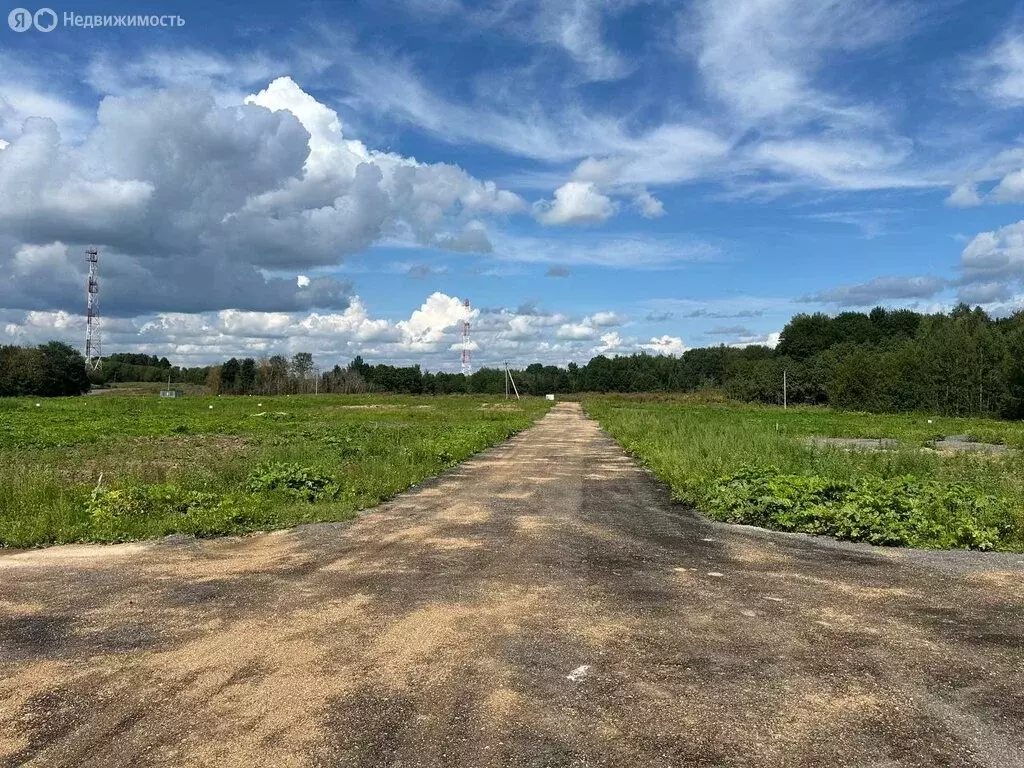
961	363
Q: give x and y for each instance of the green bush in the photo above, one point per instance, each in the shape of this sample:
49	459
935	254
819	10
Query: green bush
294	480
900	511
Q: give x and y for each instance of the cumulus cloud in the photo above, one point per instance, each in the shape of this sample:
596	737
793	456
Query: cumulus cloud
665	345
576	331
590	326
191	201
770	340
997	255
878	290
427	326
576	202
606	319
611	343
429	336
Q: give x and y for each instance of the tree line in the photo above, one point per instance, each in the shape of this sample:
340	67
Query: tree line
127	366
960	363
49	370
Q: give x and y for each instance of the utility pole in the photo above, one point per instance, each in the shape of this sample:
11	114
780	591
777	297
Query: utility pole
466	349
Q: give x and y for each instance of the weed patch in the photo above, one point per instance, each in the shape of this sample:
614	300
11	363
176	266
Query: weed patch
900	511
303	483
753	464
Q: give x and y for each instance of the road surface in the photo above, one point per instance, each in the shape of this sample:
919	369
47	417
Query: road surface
544	604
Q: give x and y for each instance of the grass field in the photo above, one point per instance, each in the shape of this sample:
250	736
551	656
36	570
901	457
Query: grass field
113	468
751	464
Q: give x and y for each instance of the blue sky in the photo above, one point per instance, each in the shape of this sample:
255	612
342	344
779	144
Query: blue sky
596	177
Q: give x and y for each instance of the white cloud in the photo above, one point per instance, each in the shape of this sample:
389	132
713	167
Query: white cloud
964	196
999	72
430	336
190	200
856	164
590	326
605	319
1010	189
996	255
665	345
302	281
576	27
520	126
621	251
428	324
576	331
649	206
760	57
576	202
611	343
770	340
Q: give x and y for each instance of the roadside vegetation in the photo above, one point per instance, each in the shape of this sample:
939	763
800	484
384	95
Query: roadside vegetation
753	464
120	468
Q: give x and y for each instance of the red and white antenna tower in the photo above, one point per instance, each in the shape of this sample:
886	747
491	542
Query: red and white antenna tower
466	351
93	345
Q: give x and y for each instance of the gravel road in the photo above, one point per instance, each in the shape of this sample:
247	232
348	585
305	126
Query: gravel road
544	604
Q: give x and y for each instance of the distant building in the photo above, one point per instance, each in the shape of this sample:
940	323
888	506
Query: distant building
549	397
171	393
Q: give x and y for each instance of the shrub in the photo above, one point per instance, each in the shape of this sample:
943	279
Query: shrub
293	480
900	511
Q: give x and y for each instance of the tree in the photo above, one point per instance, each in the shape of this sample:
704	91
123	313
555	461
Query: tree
20	371
302	366
805	336
247	376
229	376
62	371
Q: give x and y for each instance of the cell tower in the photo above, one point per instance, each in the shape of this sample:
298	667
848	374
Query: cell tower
93	345
466	352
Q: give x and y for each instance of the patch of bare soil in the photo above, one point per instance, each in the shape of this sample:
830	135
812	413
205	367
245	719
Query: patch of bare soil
949	445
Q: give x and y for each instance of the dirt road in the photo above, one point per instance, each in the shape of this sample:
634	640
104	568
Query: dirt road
542	605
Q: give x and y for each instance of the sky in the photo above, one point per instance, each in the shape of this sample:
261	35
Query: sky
594	177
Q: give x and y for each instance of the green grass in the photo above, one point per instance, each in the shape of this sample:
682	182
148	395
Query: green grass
109	468
699	448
